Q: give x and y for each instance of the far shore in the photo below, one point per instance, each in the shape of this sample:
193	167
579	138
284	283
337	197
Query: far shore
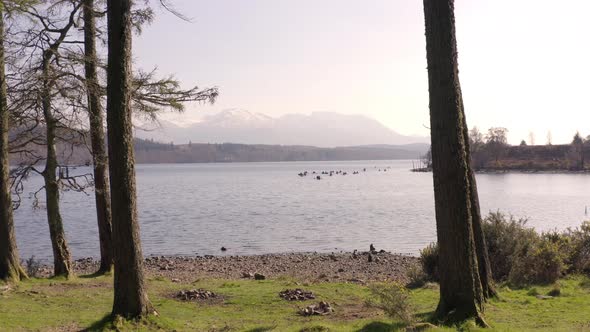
532	171
354	267
516	171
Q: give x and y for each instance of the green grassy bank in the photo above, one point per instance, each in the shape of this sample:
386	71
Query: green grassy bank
248	305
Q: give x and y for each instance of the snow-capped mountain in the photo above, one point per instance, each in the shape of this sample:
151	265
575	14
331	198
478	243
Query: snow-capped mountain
236	118
323	129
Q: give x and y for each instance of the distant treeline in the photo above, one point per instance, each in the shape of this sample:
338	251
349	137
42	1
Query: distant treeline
492	152
536	158
150	152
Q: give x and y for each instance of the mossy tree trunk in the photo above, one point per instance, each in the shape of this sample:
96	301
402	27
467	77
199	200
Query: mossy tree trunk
131	299
97	137
61	254
461	294
10	268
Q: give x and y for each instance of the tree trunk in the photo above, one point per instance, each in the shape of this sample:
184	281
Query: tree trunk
131	298
483	260
61	254
97	137
581	145
10	268
461	295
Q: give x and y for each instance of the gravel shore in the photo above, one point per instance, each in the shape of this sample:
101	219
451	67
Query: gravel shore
358	267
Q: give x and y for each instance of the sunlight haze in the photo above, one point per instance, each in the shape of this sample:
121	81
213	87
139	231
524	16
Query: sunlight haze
523	63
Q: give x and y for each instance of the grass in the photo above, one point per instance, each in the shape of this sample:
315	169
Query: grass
254	306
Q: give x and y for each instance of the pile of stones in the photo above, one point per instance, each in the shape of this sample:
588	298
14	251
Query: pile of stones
195	295
321	309
296	295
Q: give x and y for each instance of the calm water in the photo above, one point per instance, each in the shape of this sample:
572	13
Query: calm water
254	208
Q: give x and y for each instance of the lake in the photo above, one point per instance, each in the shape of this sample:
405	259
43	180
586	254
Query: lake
256	208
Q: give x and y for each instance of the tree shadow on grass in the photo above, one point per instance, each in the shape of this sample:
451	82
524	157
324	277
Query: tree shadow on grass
262	329
95	275
425	317
382	327
104	324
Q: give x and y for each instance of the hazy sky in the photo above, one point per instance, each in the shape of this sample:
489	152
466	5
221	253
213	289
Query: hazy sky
524	64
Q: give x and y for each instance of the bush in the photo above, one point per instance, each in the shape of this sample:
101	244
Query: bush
522	256
503	238
429	261
417	277
393	299
539	262
33	267
577	248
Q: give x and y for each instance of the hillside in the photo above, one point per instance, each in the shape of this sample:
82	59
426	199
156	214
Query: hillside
151	152
322	129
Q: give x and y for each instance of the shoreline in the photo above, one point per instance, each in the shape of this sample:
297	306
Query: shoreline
308	267
531	171
517	171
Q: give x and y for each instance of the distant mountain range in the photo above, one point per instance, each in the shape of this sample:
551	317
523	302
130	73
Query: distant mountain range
321	129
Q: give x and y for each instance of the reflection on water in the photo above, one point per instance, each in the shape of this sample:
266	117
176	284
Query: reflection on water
254	208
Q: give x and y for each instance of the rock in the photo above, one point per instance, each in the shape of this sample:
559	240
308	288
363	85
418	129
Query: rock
340	270
258	276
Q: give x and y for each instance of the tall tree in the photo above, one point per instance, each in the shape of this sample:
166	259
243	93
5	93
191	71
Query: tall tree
578	147
481	248
461	294
97	138
497	142
61	253
131	299
10	268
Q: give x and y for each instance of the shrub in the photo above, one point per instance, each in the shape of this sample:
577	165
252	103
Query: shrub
429	261
33	267
416	275
578	248
393	299
522	256
539	262
504	235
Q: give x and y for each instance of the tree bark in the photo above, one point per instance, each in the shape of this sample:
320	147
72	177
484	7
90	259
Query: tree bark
62	265
483	260
461	295
10	268
131	298
97	137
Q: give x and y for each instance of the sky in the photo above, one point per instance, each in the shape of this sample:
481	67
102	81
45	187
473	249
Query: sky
523	63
